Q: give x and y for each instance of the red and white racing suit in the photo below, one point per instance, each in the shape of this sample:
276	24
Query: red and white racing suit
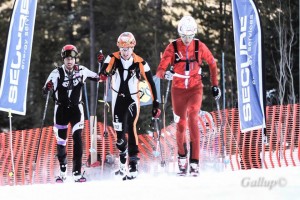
186	93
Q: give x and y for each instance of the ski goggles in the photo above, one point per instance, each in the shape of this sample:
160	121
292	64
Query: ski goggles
69	53
125	49
187	36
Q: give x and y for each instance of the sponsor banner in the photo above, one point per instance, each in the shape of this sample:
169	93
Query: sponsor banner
13	90
248	54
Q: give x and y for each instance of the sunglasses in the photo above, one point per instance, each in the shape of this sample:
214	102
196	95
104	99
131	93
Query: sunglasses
69	53
187	36
125	49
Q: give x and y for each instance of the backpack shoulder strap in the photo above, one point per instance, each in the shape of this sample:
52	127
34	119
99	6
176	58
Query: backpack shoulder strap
61	75
177	58
197	50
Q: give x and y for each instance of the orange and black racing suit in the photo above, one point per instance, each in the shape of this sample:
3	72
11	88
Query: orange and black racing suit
125	77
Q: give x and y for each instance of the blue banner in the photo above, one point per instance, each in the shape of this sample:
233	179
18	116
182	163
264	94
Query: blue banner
248	55
13	90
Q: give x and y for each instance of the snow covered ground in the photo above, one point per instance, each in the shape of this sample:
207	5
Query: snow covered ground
281	183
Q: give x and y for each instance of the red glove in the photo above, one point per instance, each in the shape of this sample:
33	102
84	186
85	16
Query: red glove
156	113
100	57
103	77
49	85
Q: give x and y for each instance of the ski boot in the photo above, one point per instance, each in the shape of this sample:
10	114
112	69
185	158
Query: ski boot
133	168
78	177
194	169
62	175
122	164
182	165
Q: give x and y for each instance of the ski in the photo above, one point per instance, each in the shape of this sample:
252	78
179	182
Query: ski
80	180
59	179
181	173
126	177
186	174
119	172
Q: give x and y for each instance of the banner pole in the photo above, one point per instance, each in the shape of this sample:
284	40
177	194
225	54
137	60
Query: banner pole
12	173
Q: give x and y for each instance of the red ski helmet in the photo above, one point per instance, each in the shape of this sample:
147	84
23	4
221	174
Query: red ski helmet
69	50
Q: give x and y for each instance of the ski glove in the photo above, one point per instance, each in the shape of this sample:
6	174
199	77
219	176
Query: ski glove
100	57
47	88
216	92
155	109
103	77
169	75
49	85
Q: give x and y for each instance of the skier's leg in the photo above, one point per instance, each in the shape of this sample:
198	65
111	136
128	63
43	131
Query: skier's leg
133	114
77	122
179	111
194	105
60	130
119	126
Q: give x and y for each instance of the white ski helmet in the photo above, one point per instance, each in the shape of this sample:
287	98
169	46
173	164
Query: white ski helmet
187	26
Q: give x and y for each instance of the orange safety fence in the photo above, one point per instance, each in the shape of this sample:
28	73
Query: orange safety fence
243	150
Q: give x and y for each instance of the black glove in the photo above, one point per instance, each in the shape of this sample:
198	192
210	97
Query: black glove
216	92
155	109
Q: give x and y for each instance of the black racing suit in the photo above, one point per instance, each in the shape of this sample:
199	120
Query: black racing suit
69	109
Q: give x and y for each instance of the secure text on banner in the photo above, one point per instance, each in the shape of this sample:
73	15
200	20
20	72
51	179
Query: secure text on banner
13	90
248	53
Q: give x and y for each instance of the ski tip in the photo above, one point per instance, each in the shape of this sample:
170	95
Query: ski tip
128	178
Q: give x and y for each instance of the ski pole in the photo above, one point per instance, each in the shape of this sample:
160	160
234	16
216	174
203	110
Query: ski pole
94	121
224	156
158	143
105	107
39	140
86	102
168	86
99	68
166	99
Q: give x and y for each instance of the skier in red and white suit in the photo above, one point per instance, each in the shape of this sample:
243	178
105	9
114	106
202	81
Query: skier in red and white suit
185	54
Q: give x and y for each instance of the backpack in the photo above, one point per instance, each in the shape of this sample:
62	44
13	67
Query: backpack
178	59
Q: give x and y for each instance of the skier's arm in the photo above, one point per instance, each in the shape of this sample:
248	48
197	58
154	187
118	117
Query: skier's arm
149	78
88	74
51	82
209	58
107	67
166	60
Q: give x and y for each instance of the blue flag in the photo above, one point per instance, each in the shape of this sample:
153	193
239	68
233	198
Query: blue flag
13	90
249	69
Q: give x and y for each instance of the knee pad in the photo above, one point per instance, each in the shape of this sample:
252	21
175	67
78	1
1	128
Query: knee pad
78	127
60	134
